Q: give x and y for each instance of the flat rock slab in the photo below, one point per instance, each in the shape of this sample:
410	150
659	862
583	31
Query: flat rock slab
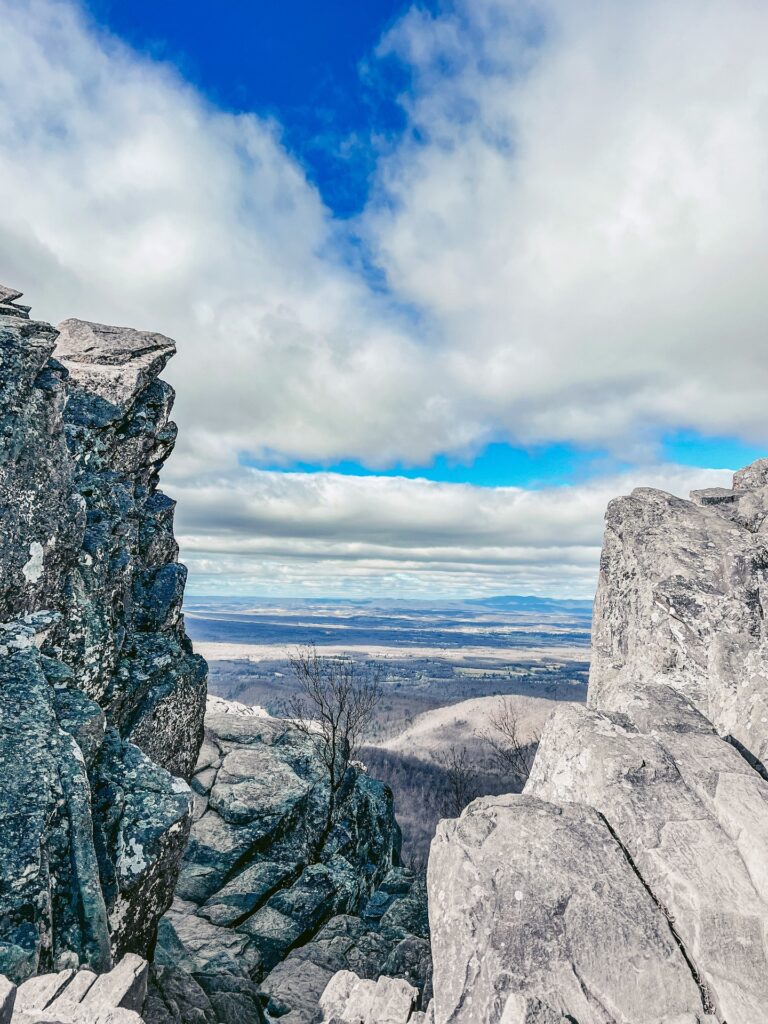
536	913
125	986
78	997
693	817
114	363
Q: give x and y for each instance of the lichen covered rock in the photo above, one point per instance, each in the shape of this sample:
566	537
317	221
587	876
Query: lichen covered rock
101	696
267	901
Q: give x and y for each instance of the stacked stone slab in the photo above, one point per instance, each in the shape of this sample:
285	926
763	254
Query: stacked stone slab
78	997
101	696
629	882
269	906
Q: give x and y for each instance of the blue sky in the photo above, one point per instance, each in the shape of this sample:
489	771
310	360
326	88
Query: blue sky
444	278
307	64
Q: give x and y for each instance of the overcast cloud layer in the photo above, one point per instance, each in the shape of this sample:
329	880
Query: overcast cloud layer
572	236
318	534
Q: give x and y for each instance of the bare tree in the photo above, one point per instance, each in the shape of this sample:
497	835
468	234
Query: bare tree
461	782
334	707
511	755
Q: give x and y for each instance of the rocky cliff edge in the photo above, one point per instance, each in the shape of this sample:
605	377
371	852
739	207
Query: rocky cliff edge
629	882
101	696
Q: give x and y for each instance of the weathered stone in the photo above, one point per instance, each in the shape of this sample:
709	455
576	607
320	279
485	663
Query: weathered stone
82	997
73	994
93	654
115	364
693	817
680	600
263	888
644	897
536	913
7	1000
393	1001
125	986
333	1001
39	992
199	947
360	1002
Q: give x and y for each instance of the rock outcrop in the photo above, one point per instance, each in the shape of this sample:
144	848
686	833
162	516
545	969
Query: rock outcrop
101	696
682	597
629	882
268	906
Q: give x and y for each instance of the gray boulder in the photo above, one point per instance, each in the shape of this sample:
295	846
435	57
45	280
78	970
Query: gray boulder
537	913
348	999
680	599
692	816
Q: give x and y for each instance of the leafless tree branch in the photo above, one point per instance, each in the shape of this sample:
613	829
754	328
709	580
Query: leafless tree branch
333	708
511	755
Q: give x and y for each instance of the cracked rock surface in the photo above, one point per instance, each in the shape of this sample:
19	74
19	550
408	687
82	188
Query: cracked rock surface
628	883
101	696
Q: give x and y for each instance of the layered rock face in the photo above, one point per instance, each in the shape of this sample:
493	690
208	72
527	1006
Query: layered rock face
101	696
629	882
682	597
269	906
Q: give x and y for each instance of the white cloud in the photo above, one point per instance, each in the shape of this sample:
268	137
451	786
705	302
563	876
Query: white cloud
573	232
588	234
291	533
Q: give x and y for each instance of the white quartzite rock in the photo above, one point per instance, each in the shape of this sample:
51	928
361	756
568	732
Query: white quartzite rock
78	997
693	817
629	883
348	999
681	599
7	1000
536	913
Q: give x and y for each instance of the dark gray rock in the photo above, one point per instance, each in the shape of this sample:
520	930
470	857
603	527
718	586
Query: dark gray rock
265	897
101	696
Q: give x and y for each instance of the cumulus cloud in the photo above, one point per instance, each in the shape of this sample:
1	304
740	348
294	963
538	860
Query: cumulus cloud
571	235
131	199
581	207
324	533
573	231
